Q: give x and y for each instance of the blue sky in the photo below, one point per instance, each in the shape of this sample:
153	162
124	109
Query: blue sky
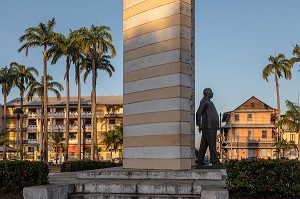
234	39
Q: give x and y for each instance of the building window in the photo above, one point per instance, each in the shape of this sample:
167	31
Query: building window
59	110
250	135
236	136
30	149
252	105
236	117
112	121
32	110
264	134
73	110
73	135
88	121
87	110
31	136
59	121
32	122
249	117
292	137
264	152
88	135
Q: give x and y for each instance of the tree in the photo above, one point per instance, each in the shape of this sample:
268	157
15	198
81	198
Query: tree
37	88
22	77
6	81
57	138
292	118
41	36
296	53
279	66
113	139
63	47
96	42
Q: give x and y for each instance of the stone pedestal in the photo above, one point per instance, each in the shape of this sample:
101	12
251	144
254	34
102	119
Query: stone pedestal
158	84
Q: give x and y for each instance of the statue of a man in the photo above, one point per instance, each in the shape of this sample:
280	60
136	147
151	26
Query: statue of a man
207	120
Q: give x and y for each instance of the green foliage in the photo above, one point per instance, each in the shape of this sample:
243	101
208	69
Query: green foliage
15	175
80	165
259	177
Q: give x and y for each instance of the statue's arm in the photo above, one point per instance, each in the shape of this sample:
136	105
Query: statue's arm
199	115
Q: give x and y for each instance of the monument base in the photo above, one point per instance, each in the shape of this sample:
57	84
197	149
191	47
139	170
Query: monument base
172	164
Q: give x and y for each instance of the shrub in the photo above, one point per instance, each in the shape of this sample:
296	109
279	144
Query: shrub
80	165
259	177
15	175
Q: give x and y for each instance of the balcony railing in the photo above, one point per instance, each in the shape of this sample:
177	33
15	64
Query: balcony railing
249	139
56	114
86	114
31	127
33	115
73	114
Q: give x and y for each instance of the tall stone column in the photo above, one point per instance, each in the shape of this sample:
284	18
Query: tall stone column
158	84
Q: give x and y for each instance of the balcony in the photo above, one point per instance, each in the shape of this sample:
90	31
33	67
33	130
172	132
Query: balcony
73	114
56	114
73	127
59	127
247	139
32	127
32	141
86	114
33	115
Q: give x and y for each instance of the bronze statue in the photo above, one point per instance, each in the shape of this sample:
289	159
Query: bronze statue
207	120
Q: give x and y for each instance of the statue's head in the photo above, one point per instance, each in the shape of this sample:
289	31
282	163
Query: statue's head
207	92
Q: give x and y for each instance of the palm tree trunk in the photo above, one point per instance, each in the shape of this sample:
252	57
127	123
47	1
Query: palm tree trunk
4	125
94	121
79	115
21	131
278	104
67	110
298	155
41	138
45	108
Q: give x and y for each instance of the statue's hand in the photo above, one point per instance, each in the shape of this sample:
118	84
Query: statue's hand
200	128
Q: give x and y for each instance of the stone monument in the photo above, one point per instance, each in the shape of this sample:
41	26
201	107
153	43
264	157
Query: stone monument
159	84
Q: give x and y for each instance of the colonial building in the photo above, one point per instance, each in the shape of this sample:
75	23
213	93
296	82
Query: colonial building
1	115
249	130
109	114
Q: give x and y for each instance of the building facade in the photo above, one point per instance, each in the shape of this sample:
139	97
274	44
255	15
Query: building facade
249	131
1	115
109	114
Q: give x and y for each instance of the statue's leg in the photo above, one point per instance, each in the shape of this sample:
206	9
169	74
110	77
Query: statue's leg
212	136
202	150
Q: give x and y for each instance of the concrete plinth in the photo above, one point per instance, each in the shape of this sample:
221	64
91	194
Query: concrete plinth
158	84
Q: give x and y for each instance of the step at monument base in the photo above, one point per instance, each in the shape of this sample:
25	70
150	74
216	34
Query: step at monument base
121	183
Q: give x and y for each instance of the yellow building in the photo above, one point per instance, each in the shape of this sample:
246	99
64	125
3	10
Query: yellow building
290	136
109	114
249	130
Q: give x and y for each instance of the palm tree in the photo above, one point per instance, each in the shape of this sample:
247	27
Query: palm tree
279	66
112	140
6	81
95	41
23	76
57	138
41	36
101	63
296	53
63	47
292	118
37	88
